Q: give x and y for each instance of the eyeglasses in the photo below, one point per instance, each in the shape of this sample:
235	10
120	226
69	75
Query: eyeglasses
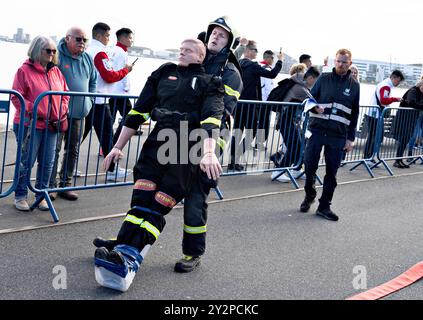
253	49
50	51
79	39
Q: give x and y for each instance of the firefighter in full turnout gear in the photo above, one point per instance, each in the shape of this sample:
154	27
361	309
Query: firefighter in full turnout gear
174	95
220	61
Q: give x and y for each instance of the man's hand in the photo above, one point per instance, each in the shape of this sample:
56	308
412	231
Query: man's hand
243	41
319	109
349	145
211	166
280	56
114	155
129	67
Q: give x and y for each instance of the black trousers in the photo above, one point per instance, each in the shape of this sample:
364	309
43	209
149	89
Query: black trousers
244	118
371	141
263	122
333	150
195	217
157	189
101	119
72	139
123	105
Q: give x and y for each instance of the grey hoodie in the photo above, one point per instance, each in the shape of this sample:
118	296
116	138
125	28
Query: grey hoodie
298	92
80	76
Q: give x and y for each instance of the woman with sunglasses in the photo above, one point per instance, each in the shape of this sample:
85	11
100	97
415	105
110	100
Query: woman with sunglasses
37	75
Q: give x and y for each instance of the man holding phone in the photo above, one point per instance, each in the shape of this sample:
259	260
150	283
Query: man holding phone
119	59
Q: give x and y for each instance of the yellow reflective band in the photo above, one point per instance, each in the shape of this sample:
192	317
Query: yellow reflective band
150	228
134	112
133	219
195	230
212	121
221	143
231	92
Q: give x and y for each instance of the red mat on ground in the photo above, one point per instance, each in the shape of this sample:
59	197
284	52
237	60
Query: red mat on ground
412	275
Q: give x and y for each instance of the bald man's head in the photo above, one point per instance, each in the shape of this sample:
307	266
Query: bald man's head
76	40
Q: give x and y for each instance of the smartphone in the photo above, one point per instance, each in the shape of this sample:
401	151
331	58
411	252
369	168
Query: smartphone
134	61
280	50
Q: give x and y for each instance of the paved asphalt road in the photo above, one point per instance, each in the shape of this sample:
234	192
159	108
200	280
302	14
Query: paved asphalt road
258	248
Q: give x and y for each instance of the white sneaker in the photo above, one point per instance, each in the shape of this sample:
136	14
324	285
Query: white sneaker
77	173
121	174
297	173
275	174
21	205
43	206
284	178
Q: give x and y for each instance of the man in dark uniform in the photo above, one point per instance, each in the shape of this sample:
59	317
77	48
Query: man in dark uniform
174	95
250	117
333	120
219	61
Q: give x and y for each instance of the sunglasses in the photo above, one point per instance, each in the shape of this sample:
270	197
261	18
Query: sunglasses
79	39
50	51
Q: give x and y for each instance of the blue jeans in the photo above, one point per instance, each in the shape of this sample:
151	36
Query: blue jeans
416	133
44	145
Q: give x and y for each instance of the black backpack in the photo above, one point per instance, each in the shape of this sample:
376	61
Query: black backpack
279	93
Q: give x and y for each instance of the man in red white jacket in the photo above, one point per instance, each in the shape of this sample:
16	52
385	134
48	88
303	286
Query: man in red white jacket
100	116
381	98
119	59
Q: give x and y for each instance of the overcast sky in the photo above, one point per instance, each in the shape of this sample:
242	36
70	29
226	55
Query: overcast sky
386	30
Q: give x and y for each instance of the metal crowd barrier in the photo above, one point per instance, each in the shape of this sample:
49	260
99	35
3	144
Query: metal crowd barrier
396	133
262	131
365	144
256	132
89	149
8	160
267	135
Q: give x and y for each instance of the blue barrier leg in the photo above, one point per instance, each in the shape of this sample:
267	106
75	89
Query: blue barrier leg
280	173
414	161
357	165
386	166
218	193
369	170
294	182
366	166
35	204
319	180
50	205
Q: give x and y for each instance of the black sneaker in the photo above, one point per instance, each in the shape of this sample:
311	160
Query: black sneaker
236	167
404	165
401	165
187	264
101	253
239	167
116	257
108	244
327	214
111	256
306	204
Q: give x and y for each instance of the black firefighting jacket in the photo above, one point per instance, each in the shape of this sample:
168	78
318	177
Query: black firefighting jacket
173	93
